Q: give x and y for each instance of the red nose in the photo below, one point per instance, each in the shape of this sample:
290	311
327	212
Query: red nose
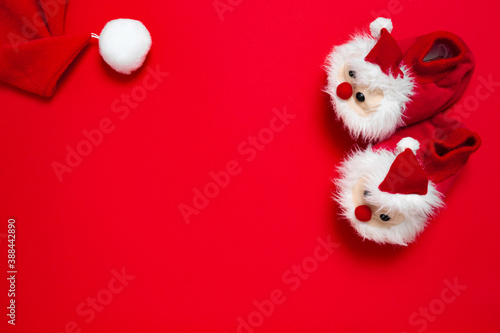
344	90
363	213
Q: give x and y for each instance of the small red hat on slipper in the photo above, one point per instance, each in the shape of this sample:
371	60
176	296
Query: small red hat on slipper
34	52
378	84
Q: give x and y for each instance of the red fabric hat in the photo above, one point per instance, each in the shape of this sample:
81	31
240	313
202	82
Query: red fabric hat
37	65
386	54
34	52
405	176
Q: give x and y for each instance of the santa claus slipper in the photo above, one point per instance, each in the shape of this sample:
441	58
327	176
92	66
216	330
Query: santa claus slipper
378	84
34	52
389	192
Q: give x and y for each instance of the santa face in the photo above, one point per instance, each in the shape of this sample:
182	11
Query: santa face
376	215
369	102
364	100
369	212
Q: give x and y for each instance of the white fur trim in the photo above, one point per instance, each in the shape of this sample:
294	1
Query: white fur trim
124	44
377	25
397	91
408	142
372	167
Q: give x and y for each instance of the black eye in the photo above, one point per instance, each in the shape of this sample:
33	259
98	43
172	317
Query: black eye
384	217
352	74
367	193
360	97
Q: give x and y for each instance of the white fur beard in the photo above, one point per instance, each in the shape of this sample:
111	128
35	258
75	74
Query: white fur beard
372	167
397	92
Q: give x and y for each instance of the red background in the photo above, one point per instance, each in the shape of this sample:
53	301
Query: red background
120	207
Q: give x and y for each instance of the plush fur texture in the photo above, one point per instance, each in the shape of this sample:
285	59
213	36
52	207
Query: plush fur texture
397	91
124	44
408	142
372	167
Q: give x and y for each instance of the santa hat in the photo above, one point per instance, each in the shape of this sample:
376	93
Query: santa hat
376	63
406	177
34	52
386	52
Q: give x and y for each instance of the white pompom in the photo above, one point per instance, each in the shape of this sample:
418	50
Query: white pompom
124	44
408	142
379	24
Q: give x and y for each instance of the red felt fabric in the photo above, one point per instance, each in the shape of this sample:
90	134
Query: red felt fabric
446	157
38	65
440	83
21	20
33	51
445	146
54	11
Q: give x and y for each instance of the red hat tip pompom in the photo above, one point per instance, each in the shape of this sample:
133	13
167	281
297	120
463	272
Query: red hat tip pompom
363	213
344	90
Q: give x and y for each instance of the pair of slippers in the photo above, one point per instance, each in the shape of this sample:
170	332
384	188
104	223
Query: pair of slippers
393	94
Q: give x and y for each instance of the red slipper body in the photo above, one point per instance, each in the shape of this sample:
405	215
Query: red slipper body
403	181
